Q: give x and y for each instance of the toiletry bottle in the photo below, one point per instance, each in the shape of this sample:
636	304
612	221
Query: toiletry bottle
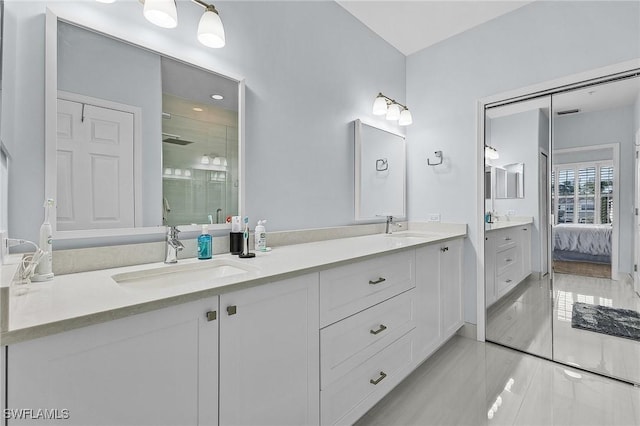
204	243
260	236
44	270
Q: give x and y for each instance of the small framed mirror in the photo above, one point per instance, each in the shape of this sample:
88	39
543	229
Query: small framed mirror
380	173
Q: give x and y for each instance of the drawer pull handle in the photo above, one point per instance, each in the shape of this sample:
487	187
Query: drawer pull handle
507	281
379	379
509	260
378	281
507	238
379	330
443	249
524	229
231	310
212	315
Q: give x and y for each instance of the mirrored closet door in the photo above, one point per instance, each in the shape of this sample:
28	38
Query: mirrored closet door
517	282
596	319
562	236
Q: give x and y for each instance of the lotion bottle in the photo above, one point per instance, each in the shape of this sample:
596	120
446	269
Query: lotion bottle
260	236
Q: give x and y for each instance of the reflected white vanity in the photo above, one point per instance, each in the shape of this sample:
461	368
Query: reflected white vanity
507	256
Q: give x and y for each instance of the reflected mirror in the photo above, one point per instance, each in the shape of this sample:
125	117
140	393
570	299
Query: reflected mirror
142	140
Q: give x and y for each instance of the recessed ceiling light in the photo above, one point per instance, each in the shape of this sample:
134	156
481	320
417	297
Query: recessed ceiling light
217	97
197	109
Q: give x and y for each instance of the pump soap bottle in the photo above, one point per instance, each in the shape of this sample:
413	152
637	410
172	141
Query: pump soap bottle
204	244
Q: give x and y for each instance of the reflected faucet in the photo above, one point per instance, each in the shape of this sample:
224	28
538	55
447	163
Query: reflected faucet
389	223
173	245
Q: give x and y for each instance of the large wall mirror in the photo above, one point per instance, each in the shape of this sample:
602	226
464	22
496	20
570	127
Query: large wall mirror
142	140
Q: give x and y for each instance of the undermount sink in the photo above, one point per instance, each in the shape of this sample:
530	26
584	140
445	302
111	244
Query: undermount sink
181	274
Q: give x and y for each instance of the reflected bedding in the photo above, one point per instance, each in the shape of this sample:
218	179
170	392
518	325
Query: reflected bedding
584	243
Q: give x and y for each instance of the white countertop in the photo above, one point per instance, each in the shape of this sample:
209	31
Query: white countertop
81	299
502	224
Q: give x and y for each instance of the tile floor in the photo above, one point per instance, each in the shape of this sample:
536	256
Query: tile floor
526	319
473	383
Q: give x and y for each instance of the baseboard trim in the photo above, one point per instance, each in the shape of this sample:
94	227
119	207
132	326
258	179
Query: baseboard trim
468	330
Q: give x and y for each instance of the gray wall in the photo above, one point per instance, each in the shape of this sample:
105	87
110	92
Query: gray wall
127	75
310	67
536	43
600	128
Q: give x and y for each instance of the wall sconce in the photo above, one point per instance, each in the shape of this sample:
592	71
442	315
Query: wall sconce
490	153
164	13
383	105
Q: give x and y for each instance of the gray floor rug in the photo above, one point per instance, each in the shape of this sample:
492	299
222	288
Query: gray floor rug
603	319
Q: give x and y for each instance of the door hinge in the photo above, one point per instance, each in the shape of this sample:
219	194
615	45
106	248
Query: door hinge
635	268
636	212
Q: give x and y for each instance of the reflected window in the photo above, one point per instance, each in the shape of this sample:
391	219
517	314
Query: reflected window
583	193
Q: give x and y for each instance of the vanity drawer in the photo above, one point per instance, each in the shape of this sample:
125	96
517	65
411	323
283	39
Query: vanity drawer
506	259
506	238
348	343
506	281
352	288
349	398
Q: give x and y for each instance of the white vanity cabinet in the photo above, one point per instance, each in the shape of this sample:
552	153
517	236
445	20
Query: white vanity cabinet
439	295
161	367
367	311
156	368
507	260
269	354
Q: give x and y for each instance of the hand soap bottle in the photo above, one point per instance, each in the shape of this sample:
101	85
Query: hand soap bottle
260	236
204	244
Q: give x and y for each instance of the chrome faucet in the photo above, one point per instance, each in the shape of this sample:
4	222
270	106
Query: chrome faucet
389	224
173	245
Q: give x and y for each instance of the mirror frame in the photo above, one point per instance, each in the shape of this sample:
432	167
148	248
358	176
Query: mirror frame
55	13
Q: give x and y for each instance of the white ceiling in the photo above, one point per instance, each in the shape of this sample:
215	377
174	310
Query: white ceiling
410	26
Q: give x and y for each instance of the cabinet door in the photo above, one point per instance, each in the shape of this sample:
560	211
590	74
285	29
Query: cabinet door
490	268
269	354
428	330
525	247
156	368
451	286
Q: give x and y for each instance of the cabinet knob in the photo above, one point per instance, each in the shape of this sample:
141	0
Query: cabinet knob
379	379
212	315
231	310
378	281
443	249
379	330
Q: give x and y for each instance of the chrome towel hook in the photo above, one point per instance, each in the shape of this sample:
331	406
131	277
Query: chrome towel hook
438	155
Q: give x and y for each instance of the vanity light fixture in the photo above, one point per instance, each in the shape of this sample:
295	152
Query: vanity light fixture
384	105
210	29
164	13
491	153
204	159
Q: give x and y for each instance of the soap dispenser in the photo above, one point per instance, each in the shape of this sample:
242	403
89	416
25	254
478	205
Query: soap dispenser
204	244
